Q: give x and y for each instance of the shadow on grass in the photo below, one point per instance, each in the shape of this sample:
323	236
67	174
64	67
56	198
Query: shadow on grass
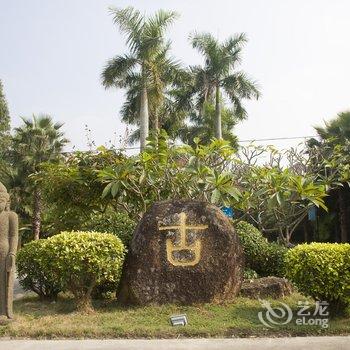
38	308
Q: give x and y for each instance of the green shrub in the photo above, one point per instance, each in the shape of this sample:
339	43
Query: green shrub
267	259
117	223
273	258
321	270
249	274
33	268
83	260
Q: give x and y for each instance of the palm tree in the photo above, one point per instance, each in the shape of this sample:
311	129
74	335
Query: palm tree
202	126
142	71
219	75
161	104
38	140
337	132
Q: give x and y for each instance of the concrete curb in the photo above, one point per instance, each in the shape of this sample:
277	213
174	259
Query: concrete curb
297	343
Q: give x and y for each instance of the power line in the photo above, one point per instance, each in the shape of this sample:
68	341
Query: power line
239	141
279	138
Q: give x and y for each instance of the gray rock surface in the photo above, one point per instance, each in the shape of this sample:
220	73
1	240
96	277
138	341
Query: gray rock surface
266	287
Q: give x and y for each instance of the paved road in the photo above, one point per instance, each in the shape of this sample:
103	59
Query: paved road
308	343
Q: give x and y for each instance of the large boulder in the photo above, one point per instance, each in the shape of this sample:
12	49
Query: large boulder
182	252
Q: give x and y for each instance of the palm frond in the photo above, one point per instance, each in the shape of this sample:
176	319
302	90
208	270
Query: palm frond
240	86
131	23
117	69
234	42
238	109
203	42
156	25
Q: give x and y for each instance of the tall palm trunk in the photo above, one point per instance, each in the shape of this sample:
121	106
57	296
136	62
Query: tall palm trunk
218	131
36	213
343	214
156	125
156	122
144	118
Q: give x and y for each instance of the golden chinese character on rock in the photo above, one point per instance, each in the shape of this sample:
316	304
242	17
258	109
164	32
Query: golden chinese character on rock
193	250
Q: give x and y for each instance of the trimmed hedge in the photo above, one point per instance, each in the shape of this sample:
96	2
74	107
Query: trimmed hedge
77	262
34	273
266	259
321	270
83	260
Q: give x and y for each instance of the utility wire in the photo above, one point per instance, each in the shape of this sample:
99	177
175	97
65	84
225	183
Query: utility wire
279	138
239	141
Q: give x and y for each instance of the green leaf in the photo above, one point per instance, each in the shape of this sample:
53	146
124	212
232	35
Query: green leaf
115	189
106	190
215	196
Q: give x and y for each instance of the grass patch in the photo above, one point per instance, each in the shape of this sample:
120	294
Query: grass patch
35	319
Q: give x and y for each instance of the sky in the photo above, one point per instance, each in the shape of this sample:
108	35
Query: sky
52	53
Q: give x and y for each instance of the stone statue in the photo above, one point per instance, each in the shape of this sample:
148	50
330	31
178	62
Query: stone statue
8	248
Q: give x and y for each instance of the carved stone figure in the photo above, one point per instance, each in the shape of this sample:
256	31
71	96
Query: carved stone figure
8	248
182	252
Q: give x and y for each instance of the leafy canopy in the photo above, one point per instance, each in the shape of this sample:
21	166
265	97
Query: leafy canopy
220	69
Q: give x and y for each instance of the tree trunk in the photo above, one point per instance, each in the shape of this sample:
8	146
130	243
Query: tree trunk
156	126
144	119
83	300
305	231
156	121
84	304
202	110
343	214
36	213
218	132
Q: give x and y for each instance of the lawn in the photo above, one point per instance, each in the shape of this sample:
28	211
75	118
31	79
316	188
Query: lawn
35	319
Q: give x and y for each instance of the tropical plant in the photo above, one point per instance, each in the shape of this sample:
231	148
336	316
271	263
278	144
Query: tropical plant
278	188
275	196
165	171
219	75
38	140
337	167
275	199
336	130
165	111
145	71
202	126
71	190
281	199
110	221
333	149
